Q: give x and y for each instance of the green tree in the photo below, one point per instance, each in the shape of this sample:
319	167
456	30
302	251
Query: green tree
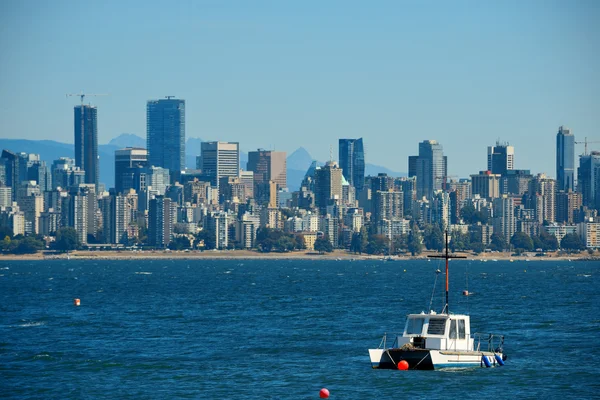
433	238
378	244
477	247
498	242
415	245
323	245
521	242
66	239
6	243
285	243
299	242
459	241
206	237
572	242
471	216
550	242
179	243
399	243
364	239
28	245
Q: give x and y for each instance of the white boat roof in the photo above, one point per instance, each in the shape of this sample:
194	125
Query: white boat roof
434	314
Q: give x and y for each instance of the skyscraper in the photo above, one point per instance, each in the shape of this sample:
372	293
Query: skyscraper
500	158
565	159
267	166
588	179
10	162
219	159
86	142
430	168
165	134
352	162
127	161
328	185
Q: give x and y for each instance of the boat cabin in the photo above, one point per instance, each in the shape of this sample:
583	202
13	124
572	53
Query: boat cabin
437	331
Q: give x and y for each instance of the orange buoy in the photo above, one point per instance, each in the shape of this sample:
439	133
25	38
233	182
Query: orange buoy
77	302
324	393
403	365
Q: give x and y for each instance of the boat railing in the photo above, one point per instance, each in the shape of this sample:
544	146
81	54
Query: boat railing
491	342
384	340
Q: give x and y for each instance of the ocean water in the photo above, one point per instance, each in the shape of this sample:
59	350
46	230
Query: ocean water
283	329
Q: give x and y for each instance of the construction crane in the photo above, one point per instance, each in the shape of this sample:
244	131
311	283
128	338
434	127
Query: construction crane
83	95
585	143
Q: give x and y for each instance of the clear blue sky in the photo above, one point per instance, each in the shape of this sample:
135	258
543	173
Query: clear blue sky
283	74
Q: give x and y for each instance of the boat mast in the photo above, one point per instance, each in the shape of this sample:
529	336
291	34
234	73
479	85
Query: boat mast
447	257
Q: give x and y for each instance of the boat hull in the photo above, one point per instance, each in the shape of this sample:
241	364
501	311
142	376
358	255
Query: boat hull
428	359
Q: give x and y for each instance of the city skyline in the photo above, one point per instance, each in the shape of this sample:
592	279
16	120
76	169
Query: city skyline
311	75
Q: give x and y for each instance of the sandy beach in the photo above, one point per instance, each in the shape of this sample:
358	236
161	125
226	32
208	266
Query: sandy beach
250	254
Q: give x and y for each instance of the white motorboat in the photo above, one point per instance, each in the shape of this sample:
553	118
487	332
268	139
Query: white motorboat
438	340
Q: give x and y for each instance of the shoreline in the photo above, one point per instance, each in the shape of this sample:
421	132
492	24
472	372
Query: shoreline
339	255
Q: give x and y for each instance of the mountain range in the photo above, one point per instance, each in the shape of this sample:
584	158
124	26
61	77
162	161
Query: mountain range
50	150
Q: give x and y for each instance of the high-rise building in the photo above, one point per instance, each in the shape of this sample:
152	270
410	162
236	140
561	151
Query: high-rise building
161	218
565	159
500	158
267	166
387	205
116	214
543	189
567	206
588	180
504	221
328	184
11	171
352	162
486	184
127	162
86	142
219	159
165	134
430	167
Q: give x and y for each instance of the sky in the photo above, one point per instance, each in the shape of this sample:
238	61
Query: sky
284	74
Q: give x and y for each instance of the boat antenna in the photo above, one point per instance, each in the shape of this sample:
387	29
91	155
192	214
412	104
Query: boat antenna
447	257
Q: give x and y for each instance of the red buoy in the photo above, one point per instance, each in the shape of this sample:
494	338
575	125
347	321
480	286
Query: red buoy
403	365
76	302
324	393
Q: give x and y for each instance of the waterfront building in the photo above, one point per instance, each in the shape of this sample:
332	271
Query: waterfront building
161	218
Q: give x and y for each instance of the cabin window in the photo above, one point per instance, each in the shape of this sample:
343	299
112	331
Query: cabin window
437	326
453	329
461	328
415	326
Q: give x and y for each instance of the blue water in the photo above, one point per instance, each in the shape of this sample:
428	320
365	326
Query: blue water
283	329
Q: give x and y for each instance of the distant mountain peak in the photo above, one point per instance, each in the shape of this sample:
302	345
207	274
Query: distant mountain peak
128	140
300	159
